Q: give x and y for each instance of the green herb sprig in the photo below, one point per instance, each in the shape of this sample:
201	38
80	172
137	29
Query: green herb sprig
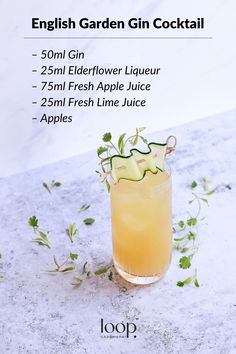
42	238
187	230
72	231
50	186
60	267
78	279
189	280
106	151
70	263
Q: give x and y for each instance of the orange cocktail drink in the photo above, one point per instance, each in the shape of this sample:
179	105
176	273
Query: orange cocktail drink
142	227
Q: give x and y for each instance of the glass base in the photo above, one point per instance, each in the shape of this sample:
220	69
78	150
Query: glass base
135	279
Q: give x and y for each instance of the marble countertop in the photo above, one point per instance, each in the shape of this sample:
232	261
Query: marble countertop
42	313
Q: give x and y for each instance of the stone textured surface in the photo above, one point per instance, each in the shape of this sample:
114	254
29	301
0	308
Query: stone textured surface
42	313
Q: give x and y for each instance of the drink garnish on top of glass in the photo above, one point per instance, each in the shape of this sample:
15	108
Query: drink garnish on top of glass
140	191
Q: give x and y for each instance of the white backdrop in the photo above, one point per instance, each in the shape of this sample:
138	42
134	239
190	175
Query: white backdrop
197	77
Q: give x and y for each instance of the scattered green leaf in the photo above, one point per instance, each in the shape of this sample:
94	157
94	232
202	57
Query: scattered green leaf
84	207
110	276
192	221
78	281
180	283
194	184
102	270
73	256
79	278
89	221
71	231
68	269
45	185
185	262
50	186
189	280
42	240
181	224
55	184
211	192
85	270
107	137
33	221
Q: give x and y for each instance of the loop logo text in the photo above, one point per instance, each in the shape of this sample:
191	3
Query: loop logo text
120	329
